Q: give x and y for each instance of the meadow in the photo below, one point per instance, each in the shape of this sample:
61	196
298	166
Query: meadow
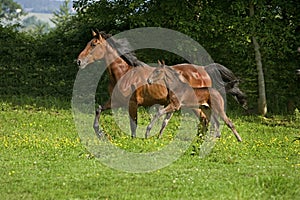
43	157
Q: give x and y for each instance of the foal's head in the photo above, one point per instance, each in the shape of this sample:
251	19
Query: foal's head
94	50
158	74
165	73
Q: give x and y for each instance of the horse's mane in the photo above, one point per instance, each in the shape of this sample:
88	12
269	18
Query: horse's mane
123	48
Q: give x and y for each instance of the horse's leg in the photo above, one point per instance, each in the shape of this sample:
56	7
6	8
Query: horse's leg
133	106
96	121
160	112
203	117
229	123
218	108
215	125
165	123
96	125
199	114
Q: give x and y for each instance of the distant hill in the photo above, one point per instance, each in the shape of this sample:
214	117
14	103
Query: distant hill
44	17
41	6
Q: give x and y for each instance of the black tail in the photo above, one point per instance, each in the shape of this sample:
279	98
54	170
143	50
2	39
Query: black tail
228	80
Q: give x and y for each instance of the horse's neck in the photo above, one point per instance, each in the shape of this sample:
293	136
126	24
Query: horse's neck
116	66
175	84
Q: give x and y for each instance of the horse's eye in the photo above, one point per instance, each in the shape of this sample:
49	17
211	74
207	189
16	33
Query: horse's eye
93	44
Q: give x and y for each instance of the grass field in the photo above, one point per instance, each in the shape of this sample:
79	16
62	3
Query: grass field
42	157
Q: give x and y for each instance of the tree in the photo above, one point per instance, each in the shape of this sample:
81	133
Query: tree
262	101
227	31
63	14
9	10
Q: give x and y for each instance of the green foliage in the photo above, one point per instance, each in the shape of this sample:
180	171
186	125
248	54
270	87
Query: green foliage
296	116
63	14
34	66
9	10
43	65
225	30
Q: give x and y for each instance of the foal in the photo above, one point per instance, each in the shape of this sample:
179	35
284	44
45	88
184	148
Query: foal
182	95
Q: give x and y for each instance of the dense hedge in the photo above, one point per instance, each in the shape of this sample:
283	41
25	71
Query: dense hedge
40	66
44	65
27	67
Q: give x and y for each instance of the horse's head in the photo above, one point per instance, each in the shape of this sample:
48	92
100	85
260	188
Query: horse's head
158	74
94	50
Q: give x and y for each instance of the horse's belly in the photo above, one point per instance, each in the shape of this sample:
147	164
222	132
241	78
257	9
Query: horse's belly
150	95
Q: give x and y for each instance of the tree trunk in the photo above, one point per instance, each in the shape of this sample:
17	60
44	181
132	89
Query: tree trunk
262	101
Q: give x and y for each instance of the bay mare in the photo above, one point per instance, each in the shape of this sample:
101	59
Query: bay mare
182	95
125	70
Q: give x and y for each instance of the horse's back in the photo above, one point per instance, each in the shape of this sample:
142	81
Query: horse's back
195	75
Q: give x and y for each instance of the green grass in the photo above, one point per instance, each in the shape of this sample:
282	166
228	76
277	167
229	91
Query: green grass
42	157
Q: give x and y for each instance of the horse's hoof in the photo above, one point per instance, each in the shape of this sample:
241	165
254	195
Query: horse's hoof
159	136
99	134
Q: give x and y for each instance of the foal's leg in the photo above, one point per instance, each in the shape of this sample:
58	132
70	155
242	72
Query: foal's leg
199	114
215	125
204	118
165	123
229	123
218	108
160	112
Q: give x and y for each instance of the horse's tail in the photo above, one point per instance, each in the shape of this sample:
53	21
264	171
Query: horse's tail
222	76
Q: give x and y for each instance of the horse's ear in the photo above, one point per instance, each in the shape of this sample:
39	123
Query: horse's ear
94	33
99	36
159	63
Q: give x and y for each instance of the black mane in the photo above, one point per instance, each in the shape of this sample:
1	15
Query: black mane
122	46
